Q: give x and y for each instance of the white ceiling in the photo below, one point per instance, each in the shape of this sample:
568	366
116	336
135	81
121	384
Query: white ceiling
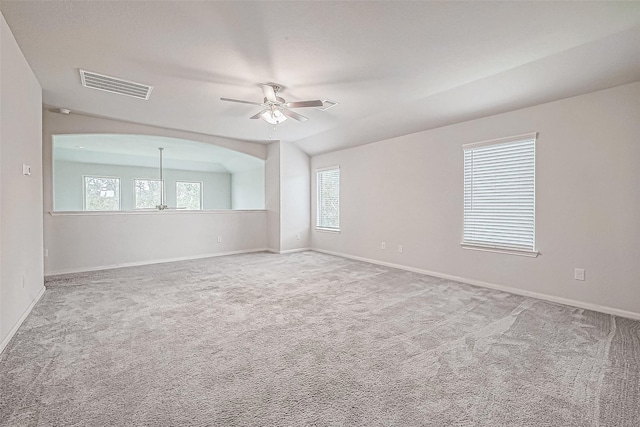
395	67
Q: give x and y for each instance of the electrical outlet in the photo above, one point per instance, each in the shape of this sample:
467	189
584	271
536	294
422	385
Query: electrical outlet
298	236
384	245
46	252
578	274
219	239
400	248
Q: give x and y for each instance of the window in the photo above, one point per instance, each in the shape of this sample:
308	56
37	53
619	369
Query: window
189	195
328	193
101	193
148	193
499	195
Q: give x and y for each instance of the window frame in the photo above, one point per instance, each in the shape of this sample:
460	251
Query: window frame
162	184
201	194
319	227
497	247
84	192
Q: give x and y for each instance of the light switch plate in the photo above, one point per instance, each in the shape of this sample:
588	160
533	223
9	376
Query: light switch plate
26	169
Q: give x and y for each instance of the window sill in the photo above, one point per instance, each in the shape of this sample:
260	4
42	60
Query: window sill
519	252
328	230
155	212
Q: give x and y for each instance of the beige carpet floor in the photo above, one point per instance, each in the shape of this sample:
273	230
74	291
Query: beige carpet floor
309	339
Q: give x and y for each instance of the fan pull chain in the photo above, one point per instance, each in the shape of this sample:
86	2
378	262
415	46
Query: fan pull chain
272	131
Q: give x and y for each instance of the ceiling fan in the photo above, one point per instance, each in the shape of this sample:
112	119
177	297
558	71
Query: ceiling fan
276	109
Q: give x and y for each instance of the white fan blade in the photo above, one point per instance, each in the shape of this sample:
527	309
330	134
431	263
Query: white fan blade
294	116
269	93
242	102
257	116
302	104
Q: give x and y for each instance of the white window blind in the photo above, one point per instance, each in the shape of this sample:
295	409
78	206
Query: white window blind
499	194
328	193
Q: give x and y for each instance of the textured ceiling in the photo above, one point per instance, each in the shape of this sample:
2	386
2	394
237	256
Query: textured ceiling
395	67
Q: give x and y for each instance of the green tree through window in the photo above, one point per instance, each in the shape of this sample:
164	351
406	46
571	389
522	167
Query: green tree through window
101	194
148	193
189	195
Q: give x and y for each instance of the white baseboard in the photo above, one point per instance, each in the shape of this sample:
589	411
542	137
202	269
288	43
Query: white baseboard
155	261
291	251
508	289
15	328
288	251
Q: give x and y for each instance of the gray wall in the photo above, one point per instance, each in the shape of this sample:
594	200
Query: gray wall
245	194
68	184
272	196
90	241
295	198
409	191
21	276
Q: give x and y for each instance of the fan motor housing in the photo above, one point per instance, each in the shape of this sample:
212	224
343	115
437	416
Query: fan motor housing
277	87
280	100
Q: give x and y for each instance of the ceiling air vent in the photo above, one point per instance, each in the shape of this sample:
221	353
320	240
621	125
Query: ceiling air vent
115	85
326	104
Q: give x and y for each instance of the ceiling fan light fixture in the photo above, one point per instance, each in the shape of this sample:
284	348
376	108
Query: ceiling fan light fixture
274	117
